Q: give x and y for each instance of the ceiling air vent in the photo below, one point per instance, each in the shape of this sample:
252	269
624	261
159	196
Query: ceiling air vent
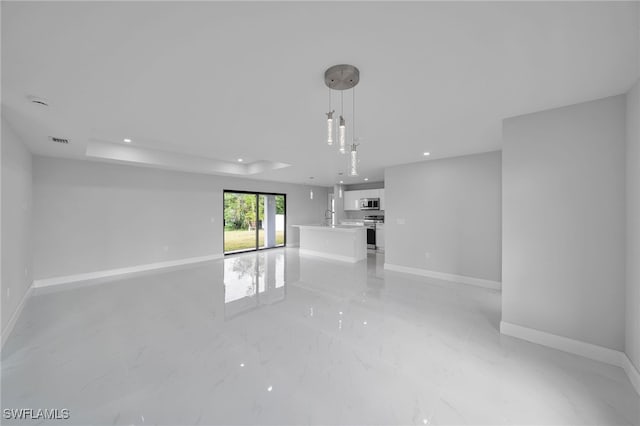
38	101
59	140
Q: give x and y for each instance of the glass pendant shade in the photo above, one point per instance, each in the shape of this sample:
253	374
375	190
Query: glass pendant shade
353	164
311	194
342	135
330	128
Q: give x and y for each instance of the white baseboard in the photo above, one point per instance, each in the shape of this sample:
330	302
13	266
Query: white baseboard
328	255
576	347
120	272
462	279
14	318
632	372
97	277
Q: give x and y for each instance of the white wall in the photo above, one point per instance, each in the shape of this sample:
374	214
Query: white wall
563	221
16	223
91	216
632	344
638	24
448	210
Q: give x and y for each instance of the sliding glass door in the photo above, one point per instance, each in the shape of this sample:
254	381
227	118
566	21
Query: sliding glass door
253	221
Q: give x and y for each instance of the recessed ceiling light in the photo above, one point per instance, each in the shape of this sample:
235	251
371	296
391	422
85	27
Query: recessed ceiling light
341	181
240	160
127	140
366	179
426	154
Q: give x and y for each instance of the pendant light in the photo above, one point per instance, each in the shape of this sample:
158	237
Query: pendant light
330	128
353	163
340	77
330	122
311	187
342	135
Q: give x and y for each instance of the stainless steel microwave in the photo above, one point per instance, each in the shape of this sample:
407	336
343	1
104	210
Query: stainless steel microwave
369	203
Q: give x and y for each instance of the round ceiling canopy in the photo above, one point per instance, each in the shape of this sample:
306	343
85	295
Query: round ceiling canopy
341	77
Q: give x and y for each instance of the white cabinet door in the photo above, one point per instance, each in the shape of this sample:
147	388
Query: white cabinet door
381	195
351	200
369	193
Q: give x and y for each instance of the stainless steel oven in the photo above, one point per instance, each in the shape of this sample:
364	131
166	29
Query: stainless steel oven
370	223
371	235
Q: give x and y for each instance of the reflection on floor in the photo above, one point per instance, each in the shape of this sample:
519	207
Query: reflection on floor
251	281
275	338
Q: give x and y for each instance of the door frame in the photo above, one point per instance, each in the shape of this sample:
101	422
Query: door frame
257	245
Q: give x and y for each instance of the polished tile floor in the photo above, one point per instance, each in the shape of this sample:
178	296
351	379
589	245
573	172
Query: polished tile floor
275	338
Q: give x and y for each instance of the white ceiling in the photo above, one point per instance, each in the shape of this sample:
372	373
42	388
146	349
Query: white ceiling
228	80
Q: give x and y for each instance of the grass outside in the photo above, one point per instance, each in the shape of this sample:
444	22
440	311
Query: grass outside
244	240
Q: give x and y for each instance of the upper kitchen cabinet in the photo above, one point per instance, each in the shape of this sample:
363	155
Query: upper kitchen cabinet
352	198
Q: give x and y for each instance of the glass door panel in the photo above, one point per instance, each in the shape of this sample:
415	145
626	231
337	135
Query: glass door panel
253	221
280	219
263	227
239	222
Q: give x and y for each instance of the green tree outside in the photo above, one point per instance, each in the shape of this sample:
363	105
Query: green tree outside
240	210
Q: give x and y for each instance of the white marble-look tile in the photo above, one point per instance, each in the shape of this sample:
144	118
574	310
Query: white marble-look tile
276	338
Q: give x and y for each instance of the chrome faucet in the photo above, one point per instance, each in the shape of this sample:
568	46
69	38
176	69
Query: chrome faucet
327	216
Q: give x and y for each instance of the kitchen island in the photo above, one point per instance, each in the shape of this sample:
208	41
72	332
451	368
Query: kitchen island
337	242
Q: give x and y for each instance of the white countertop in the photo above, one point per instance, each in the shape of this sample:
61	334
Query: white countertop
341	228
353	222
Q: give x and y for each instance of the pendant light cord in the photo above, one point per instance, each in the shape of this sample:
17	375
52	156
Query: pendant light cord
354	114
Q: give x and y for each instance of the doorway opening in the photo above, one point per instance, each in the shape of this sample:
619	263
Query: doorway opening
254	221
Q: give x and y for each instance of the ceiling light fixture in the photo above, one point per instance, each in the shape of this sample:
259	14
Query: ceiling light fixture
366	179
353	167
240	160
330	123
342	134
426	154
343	77
127	140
